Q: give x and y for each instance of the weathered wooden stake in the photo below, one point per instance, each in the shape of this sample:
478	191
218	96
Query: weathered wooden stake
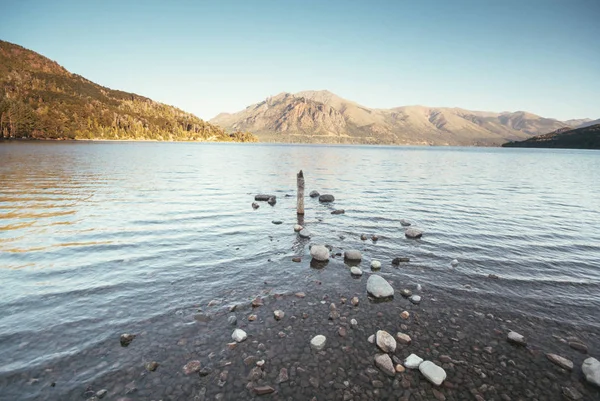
300	180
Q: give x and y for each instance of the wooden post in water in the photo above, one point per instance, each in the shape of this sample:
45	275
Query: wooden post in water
300	181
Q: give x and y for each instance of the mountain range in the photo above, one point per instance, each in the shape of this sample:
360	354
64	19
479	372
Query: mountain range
323	117
39	99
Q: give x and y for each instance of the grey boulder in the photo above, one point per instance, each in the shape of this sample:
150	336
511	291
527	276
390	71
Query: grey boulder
319	253
379	288
326	198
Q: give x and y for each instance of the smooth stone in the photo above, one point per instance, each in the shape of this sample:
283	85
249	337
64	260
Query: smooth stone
403	338
338	211
454	263
352	254
152	366
397	261
354	301
126	339
415	299
385	341
375	265
560	361
405	223
326	198
579	346
304	233
342	332
319	253
432	372
400	368
298	227
413	233
591	370
262	390
355	271
364	237
406	293
371	339
412	361
278	314
102	393
353	323
255	205
384	362
318	342
516	338
378	287
314	194
239	335
272	201
263	197
232	320
296	259
277	222
405	315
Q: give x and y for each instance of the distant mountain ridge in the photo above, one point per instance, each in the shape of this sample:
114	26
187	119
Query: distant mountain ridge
39	99
586	137
323	117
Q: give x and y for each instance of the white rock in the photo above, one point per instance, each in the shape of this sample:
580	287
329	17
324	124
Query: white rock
560	361
375	265
432	372
378	287
371	339
304	233
454	263
355	271
591	370
384	362
318	342
516	338
278	314
352	254
412	361
385	341
298	227
413	233
415	299
319	253
353	322
239	335
419	287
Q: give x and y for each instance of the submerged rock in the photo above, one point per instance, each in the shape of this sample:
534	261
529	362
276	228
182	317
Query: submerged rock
255	205
272	201
591	370
516	338
277	222
318	342
432	372
355	271
319	253
239	335
385	341
353	254
413	233
152	366
406	293
397	261
191	367
412	361
560	361
405	223
415	299
454	263
126	339
326	198
338	211
314	194
304	233
384	362
379	288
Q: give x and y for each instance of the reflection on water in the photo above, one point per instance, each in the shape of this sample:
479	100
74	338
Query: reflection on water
96	236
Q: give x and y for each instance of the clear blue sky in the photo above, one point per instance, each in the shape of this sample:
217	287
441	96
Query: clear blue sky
206	57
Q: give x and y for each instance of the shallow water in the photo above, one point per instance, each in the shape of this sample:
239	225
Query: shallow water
98	237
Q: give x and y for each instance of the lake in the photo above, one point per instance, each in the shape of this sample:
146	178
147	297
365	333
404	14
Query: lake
98	239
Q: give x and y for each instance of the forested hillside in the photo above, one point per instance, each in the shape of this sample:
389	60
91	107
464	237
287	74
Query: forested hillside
39	99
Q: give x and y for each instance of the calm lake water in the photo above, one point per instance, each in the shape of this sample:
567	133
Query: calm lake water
96	237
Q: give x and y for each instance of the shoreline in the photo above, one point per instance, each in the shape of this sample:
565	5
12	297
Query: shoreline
467	340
